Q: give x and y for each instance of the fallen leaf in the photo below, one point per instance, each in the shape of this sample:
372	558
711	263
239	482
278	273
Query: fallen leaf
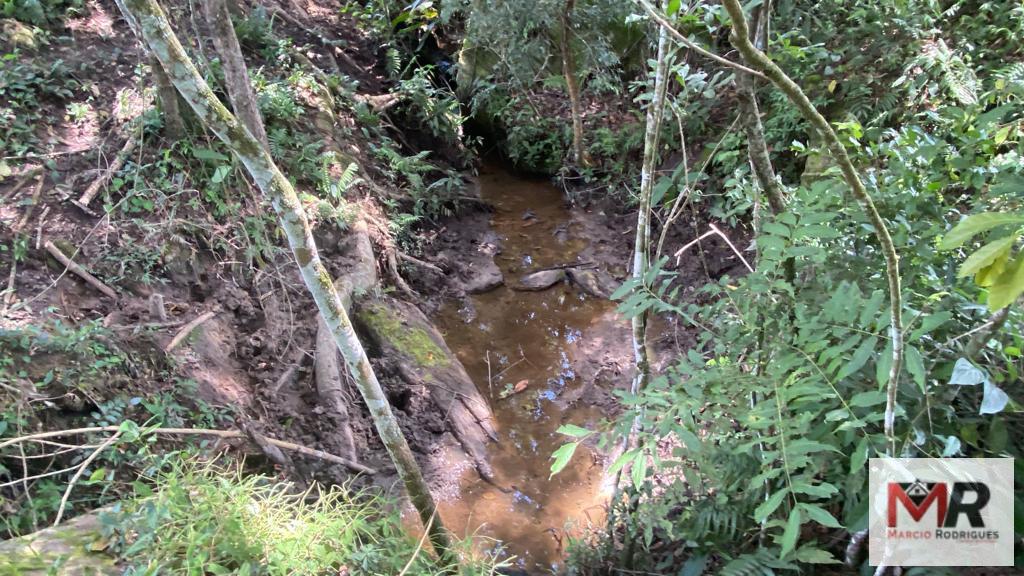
520	386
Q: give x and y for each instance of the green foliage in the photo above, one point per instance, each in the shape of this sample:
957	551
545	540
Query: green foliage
203	519
770	418
53	374
40	12
993	265
433	108
26	87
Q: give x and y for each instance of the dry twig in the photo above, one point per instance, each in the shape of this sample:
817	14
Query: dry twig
78	270
187	329
226	434
78	474
98	184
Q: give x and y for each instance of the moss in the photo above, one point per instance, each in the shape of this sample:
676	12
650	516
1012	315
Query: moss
68	550
411	341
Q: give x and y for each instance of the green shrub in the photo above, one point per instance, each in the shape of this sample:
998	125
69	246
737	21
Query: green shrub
204	519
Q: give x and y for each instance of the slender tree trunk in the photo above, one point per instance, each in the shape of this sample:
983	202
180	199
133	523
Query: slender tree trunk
158	36
757	147
569	71
236	75
174	123
755	58
641	245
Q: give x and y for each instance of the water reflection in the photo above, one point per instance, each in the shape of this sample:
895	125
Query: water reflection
533	337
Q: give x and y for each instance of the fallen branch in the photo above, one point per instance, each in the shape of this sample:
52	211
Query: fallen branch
78	474
78	270
32	204
582	265
25	179
227	434
9	291
423	264
714	232
187	329
39	228
98	184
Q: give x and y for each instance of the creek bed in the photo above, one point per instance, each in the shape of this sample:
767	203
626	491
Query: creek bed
543	344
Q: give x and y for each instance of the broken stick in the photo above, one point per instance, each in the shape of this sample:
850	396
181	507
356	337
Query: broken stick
351	465
78	270
99	183
187	329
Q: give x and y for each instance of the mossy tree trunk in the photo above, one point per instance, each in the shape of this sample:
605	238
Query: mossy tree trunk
750	113
174	123
236	75
757	59
161	41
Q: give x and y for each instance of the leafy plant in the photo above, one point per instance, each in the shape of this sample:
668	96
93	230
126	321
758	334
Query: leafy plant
202	519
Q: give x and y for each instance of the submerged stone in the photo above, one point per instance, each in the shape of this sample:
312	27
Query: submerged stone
540	280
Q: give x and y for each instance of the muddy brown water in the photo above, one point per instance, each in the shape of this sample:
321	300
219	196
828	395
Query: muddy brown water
506	337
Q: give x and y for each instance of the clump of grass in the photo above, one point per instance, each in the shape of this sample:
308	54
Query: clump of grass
204	519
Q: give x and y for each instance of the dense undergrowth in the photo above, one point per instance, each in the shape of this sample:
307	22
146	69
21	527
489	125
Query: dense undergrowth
201	519
750	449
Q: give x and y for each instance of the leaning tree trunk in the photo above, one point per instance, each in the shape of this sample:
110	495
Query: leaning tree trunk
757	59
158	36
236	75
569	71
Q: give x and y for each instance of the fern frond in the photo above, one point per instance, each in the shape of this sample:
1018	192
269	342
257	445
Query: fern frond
348	178
756	564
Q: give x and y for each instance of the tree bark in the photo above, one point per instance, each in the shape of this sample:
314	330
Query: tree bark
740	38
158	36
236	75
359	278
569	71
401	332
641	243
641	247
990	328
174	123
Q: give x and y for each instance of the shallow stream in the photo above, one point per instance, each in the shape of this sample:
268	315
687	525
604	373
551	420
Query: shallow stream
523	351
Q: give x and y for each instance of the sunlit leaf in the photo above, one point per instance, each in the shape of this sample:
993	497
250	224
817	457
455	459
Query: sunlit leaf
915	365
986	255
573	430
562	456
859	359
1008	286
976	224
820	515
860	455
639	471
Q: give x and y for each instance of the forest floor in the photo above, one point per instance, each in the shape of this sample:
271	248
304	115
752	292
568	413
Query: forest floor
252	361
